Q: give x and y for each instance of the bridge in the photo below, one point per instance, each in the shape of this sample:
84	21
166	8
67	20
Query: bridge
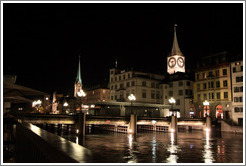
118	124
42	146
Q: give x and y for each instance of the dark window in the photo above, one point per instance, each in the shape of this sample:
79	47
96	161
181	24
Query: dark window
225	95
238	109
239	79
205	96
188	92
115	87
198	96
129	75
121	86
204	85
225	83
180	83
197	76
218	95
210	73
165	97
119	77
115	97
143	83
241	68
224	72
212	84
238	99
217	84
144	94
112	87
133	83
112	72
198	86
234	69
170	93
115	78
212	95
170	84
152	94
124	77
157	95
127	84
112	97
188	83
111	80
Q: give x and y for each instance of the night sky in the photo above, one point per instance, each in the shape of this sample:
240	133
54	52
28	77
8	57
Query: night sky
42	42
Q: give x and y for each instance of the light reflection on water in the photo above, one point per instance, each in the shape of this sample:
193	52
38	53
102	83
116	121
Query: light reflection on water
207	153
160	147
173	149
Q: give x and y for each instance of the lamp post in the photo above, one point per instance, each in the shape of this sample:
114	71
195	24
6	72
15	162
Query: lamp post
65	105
172	101
206	103
81	94
131	98
81	116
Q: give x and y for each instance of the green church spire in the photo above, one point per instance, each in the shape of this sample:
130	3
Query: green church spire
78	78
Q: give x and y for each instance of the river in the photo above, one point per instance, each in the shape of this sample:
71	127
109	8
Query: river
159	147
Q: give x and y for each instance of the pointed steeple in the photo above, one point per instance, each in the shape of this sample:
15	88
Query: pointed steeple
175	49
78	78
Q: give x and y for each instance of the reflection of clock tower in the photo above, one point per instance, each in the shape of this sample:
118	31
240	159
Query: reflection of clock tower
176	60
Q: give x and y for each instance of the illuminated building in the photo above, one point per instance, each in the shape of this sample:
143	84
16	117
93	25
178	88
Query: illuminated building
144	86
237	91
213	83
96	94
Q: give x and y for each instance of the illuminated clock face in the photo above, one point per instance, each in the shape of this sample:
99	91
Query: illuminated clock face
172	62
180	62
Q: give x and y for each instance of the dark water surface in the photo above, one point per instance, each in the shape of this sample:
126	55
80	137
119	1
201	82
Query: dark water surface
160	147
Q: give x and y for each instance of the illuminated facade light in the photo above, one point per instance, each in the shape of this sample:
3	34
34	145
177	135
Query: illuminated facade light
172	100
153	122
65	104
81	93
132	97
38	102
46	98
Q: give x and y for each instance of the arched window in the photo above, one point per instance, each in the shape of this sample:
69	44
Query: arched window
219	111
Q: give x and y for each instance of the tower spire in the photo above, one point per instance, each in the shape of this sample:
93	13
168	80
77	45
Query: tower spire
175	48
78	78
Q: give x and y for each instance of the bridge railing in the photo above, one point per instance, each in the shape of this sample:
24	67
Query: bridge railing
35	145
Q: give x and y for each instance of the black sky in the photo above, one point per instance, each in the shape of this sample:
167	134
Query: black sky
42	41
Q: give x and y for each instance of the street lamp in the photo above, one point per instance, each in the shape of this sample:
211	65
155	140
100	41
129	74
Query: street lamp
36	104
81	94
65	105
172	101
131	98
206	103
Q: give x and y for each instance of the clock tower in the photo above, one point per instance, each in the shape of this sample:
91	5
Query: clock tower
175	60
